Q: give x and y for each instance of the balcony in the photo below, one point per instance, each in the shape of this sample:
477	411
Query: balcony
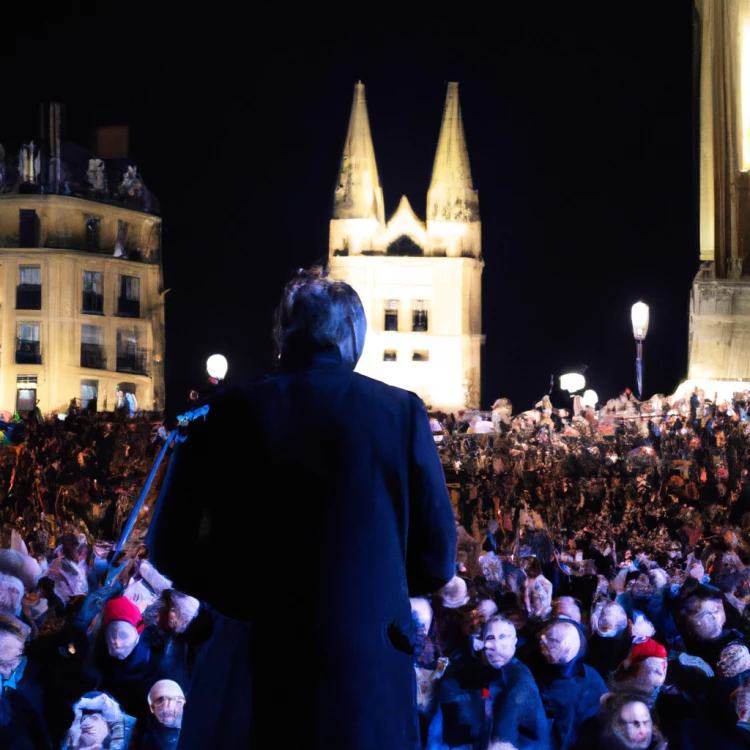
28	352
135	363
29	297
128	308
92	356
93	303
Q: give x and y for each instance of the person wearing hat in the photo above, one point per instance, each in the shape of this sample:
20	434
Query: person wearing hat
124	665
369	490
99	724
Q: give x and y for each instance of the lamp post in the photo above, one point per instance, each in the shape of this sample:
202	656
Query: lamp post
639	318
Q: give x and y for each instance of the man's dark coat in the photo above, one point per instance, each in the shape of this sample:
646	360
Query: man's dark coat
312	643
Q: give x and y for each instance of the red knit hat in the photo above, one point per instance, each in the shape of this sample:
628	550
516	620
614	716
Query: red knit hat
122	609
646	649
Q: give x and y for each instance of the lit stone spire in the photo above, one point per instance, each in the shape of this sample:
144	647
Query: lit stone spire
358	193
451	196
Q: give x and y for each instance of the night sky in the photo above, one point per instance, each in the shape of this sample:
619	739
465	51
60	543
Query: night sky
579	123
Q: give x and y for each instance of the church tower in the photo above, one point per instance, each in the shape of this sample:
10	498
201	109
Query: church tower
719	340
420	282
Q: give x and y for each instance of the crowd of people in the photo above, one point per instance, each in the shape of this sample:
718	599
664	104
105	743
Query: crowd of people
599	598
603	576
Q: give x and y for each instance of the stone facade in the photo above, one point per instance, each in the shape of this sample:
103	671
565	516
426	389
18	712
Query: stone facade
81	302
420	282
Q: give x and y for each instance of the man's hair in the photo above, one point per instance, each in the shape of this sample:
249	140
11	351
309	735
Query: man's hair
316	313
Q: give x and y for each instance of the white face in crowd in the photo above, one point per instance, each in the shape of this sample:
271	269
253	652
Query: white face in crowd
608	619
11	653
706	618
122	638
633	726
167	703
94	730
540	598
652	672
11	594
499	643
560	643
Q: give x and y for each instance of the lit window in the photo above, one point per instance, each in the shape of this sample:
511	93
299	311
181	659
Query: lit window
391	315
389	355
421	356
419	315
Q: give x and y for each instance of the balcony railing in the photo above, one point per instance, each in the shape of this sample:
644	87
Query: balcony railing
93	303
92	355
129	308
29	297
28	352
135	363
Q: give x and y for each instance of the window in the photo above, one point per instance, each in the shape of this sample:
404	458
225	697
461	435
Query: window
422	356
27	344
391	315
389	355
29	228
121	243
93	293
419	315
129	303
29	289
89	394
130	358
25	393
92	347
93	232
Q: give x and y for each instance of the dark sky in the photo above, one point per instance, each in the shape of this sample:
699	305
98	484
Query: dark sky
580	132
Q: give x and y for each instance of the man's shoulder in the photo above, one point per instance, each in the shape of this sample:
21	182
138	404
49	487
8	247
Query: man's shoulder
391	392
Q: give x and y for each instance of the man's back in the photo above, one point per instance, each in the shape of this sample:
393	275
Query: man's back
348	465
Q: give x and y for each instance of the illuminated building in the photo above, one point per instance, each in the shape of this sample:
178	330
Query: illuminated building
420	282
81	294
719	340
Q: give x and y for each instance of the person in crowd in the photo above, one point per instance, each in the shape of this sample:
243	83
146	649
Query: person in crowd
161	731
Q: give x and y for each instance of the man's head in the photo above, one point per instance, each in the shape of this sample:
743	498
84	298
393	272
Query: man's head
94	731
167	702
122	623
318	314
11	594
560	642
566	606
97	724
633	725
177	610
704	617
608	619
500	641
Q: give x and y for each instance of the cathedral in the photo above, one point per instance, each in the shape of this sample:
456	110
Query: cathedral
420	281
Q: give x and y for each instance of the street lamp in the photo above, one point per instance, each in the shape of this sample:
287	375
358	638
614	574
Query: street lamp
217	367
589	398
639	318
572	382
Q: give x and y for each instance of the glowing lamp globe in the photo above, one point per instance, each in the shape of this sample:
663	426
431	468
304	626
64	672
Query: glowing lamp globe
572	382
639	318
589	398
217	366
